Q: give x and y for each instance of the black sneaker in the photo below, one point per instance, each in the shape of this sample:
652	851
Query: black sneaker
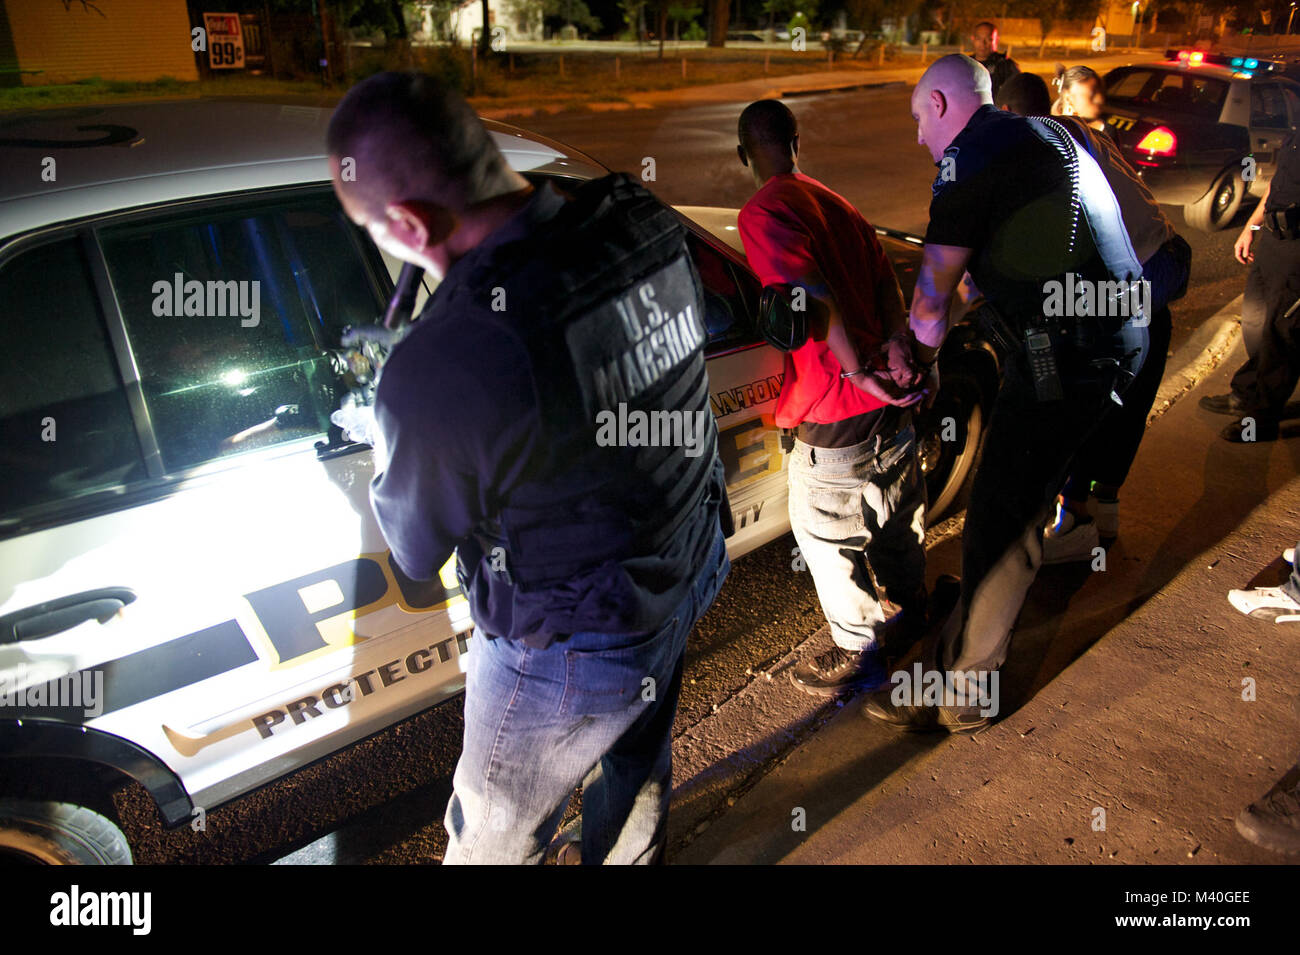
1239	432
924	719
1274	821
840	671
1228	404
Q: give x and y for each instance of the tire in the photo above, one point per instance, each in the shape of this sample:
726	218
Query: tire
59	833
1215	210
949	465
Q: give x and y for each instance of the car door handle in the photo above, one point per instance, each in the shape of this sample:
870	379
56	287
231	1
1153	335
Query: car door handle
64	613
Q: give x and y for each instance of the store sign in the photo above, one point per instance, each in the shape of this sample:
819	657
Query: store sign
225	41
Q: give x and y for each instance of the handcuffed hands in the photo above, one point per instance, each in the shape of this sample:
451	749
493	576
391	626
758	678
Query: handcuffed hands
902	379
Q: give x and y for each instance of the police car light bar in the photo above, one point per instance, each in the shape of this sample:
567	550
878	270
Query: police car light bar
1205	58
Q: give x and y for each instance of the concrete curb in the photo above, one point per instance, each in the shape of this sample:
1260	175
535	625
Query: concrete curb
1198	356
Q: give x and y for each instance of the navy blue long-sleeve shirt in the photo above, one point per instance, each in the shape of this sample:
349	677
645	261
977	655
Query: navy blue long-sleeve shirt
459	416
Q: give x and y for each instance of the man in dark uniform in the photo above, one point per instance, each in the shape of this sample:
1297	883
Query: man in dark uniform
1003	207
984	40
547	418
1270	315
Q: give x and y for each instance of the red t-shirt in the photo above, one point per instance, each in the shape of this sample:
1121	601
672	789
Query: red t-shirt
790	226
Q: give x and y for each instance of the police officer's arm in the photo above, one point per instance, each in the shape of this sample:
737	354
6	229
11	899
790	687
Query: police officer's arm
458	420
1241	249
942	268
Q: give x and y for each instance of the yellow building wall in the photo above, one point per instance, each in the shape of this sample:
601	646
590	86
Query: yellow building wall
131	40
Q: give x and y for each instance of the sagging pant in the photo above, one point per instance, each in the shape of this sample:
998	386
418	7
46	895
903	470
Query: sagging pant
1028	451
1267	380
858	515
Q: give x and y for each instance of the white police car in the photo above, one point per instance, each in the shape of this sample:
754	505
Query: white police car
194	593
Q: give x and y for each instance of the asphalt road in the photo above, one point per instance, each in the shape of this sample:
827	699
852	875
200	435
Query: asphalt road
382	800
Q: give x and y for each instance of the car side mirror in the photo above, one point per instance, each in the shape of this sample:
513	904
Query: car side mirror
782	325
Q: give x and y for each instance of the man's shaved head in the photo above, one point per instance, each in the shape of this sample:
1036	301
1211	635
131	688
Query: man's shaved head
412	163
769	139
1025	94
412	137
767	123
949	93
959	77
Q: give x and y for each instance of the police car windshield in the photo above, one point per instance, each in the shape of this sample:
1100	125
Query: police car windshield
1175	91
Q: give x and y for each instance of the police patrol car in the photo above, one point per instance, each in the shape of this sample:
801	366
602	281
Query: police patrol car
1202	129
194	593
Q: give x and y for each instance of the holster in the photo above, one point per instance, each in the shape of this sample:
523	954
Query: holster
1006	341
1284	223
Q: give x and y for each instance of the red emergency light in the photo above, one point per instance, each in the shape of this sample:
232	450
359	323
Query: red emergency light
1161	141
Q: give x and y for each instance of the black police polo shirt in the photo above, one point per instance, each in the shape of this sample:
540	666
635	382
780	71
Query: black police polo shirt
1285	188
1007	195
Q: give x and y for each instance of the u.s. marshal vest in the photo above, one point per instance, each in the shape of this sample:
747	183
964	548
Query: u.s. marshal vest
608	305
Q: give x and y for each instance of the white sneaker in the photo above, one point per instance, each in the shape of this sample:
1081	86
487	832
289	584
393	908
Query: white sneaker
1066	540
1288	555
1266	603
1105	514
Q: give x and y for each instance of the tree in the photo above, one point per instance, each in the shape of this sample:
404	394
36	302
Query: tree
869	15
1051	12
682	11
633	17
719	21
574	13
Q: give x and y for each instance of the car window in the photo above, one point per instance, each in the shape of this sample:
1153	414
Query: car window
725	315
1178	91
1128	85
65	425
230	311
1292	96
1267	107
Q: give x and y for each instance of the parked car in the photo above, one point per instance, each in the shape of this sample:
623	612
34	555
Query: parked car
195	594
1202	129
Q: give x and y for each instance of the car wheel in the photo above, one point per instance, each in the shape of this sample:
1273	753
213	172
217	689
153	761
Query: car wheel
1216	209
59	833
949	437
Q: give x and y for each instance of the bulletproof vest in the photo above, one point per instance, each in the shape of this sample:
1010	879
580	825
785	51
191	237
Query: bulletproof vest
607	302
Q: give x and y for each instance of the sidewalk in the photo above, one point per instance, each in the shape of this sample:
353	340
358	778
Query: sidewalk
803	84
1122	695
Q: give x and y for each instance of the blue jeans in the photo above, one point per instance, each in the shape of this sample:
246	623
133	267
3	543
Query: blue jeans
595	710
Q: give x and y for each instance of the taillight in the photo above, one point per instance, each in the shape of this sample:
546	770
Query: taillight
1161	141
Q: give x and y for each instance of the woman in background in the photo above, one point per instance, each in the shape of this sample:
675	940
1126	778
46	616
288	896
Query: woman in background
1080	94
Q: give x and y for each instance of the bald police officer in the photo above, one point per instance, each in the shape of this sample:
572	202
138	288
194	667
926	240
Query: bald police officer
1003	207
